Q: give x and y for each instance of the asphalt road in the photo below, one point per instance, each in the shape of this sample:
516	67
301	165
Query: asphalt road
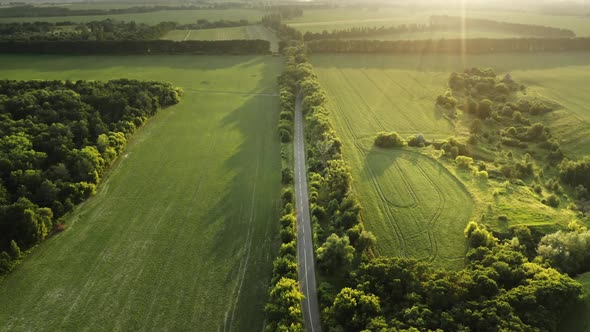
305	256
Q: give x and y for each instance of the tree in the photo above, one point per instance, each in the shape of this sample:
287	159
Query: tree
335	253
389	140
284	307
15	252
353	309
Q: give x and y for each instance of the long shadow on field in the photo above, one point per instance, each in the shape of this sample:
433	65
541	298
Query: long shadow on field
249	209
56	63
378	161
444	62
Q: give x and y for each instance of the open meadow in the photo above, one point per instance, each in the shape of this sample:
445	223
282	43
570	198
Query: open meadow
182	233
404	191
245	32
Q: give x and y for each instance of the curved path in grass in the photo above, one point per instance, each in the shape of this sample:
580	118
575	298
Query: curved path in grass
305	259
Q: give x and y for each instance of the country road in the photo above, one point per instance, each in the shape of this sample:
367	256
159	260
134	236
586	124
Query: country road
305	256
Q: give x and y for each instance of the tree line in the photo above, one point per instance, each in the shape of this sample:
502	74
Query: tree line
89	31
144	47
56	141
443	23
206	24
55	11
283	310
450	46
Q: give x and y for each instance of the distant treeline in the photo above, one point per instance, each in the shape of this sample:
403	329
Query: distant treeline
95	30
455	22
359	32
451	46
206	24
128	47
443	23
34	11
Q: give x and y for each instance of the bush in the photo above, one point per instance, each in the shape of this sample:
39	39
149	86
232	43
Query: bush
285	136
417	140
286	175
389	140
552	200
464	162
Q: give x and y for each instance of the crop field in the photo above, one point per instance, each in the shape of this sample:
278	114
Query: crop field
179	16
181	235
246	32
402	191
344	18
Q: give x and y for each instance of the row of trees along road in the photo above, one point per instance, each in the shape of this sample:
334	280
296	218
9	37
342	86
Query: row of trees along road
513	284
56	141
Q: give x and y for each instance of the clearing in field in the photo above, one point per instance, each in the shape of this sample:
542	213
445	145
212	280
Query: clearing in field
182	233
245	32
400	189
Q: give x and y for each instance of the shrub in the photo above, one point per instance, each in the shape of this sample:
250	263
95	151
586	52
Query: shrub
287	175
417	140
552	200
481	175
284	135
389	140
463	161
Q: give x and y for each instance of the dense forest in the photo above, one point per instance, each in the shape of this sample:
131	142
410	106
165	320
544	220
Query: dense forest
57	139
452	46
145	47
90	31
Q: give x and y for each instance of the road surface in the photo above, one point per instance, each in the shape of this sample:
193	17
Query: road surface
305	256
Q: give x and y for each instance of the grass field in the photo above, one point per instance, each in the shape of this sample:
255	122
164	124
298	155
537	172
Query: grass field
343	18
181	235
372	93
180	16
246	32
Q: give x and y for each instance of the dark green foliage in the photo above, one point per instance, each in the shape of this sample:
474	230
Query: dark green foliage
576	173
89	31
56	141
389	140
498	290
21	10
287	175
552	200
336	253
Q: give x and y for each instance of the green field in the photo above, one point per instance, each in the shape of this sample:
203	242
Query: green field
179	16
342	18
372	93
246	32
181	234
